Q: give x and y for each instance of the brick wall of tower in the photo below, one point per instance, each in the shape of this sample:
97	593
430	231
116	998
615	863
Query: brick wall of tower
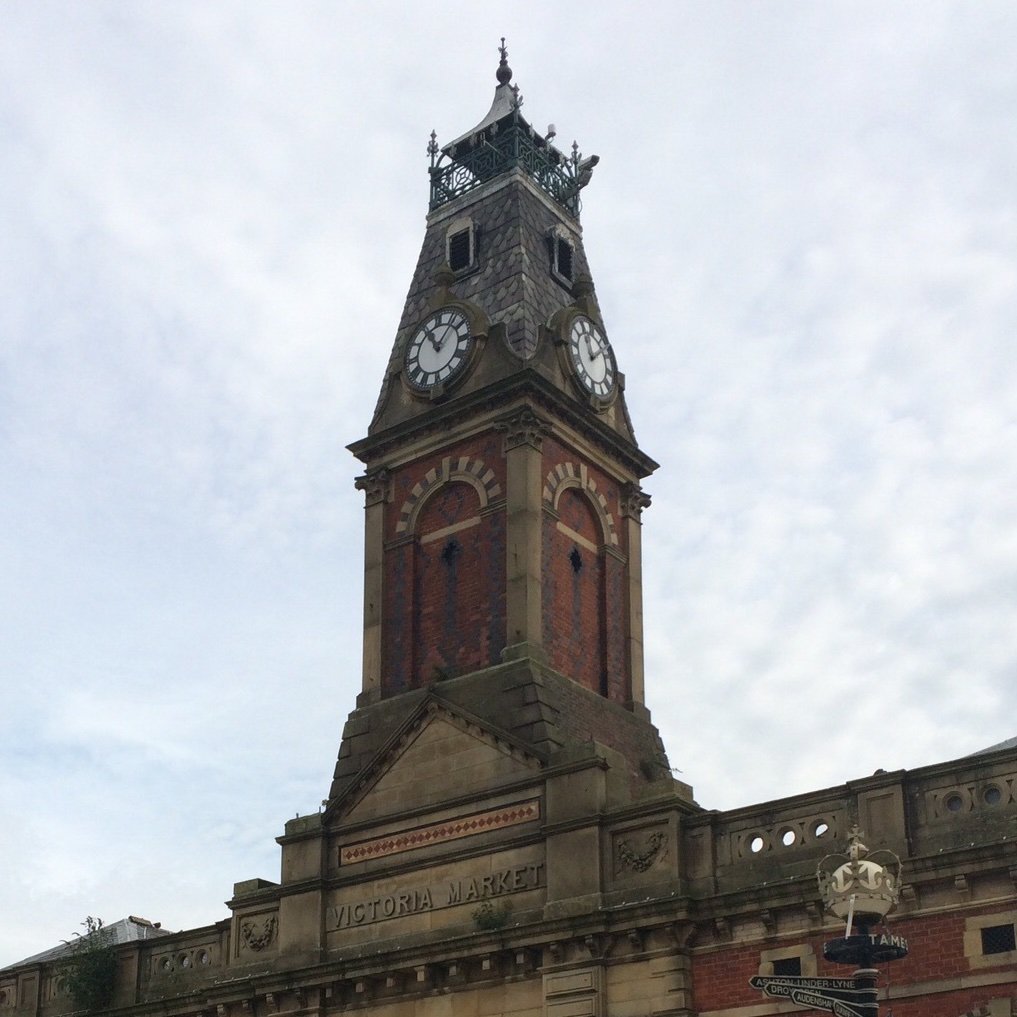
445	587
585	581
574	608
459	587
444	581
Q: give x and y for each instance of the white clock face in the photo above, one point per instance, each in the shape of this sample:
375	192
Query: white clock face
439	349
592	357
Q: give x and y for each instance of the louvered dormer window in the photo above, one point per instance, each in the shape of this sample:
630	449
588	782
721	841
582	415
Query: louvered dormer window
562	256
461	246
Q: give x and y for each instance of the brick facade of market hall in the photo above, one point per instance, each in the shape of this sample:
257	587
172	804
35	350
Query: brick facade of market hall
503	833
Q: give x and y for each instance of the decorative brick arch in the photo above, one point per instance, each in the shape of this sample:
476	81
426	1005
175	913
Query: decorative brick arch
464	469
566	475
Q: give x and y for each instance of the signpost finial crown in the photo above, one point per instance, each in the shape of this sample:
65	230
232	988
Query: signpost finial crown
860	883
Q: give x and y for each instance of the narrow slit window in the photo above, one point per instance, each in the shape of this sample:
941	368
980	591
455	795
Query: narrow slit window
450	553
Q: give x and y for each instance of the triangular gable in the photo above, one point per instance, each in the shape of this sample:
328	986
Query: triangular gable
441	753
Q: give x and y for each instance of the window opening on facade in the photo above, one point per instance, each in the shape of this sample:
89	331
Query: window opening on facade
461	245
998	939
450	552
562	255
563	258
788	966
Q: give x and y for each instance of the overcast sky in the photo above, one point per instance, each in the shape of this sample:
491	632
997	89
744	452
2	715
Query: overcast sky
803	232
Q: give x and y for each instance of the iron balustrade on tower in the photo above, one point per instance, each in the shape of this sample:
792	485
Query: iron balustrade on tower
464	167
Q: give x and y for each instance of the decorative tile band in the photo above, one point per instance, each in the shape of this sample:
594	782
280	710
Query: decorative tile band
439	833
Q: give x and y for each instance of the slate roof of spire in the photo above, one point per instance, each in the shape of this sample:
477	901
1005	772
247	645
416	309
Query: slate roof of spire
506	99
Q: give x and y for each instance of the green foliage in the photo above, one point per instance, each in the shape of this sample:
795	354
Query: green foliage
490	917
92	967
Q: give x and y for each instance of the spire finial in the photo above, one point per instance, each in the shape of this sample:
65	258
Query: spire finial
504	72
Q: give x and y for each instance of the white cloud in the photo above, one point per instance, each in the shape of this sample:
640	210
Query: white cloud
803	235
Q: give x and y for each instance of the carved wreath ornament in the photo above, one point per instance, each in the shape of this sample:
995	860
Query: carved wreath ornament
257	935
639	859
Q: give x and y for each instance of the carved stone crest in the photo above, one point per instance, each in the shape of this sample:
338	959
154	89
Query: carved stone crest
639	855
257	934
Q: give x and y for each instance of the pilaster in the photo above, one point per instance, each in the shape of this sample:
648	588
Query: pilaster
524	433
376	488
633	501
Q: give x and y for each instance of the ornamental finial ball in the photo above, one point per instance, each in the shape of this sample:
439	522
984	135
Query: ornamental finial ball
504	72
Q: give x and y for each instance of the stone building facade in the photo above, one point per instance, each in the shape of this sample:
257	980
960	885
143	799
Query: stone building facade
503	834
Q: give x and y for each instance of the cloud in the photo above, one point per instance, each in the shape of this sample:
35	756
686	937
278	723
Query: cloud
802	232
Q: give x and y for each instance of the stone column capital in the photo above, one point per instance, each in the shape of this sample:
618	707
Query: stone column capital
633	500
523	428
375	485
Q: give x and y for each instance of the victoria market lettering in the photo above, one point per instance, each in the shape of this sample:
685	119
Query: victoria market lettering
442	895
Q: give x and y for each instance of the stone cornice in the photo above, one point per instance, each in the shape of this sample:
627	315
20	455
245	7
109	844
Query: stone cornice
441	419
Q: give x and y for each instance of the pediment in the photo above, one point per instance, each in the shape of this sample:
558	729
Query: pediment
440	754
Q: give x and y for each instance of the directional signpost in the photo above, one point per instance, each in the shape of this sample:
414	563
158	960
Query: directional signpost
844	997
863	890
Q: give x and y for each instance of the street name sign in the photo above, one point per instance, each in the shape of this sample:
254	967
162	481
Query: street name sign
839	996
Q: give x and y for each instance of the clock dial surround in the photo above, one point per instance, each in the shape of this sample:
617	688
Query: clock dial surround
439	350
592	358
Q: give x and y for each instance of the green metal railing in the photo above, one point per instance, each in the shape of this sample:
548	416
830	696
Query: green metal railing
458	172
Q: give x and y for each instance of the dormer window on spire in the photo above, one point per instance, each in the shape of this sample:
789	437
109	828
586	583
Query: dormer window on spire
461	245
561	252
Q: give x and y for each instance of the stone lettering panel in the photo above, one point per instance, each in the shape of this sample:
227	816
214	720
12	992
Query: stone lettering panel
431	897
446	894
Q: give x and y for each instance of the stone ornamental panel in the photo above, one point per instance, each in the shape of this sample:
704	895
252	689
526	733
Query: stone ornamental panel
984	797
639	850
440	833
793	833
258	932
181	962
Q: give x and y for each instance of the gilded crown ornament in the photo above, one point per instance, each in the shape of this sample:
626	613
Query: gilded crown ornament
861	884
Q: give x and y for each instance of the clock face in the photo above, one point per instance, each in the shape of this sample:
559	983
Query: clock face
438	350
592	357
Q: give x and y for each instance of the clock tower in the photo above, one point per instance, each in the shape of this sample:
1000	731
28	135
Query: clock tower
502	475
